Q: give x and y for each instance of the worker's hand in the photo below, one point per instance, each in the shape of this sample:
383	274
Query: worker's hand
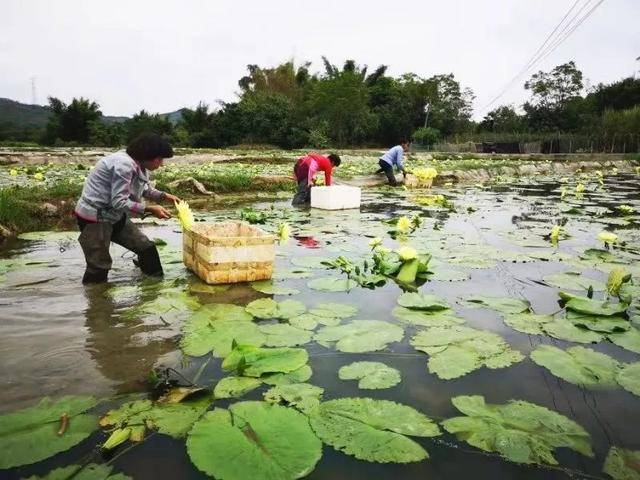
170	197
158	211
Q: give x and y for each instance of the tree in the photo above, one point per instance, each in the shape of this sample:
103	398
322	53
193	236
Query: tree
553	89
71	123
503	119
621	95
144	122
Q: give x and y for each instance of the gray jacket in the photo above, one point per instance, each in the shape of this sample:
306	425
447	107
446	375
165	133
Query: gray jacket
115	187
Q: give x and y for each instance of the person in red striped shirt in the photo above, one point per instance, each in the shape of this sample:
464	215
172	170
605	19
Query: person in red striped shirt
305	171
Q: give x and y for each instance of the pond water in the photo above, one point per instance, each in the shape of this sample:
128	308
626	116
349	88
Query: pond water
58	337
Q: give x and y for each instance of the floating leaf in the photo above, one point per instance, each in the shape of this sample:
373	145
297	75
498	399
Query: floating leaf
622	464
425	318
306	321
205	288
417	301
591	306
562	329
178	394
373	430
299	375
334	310
372	375
254	361
573	281
30	435
629	378
310	262
332	284
117	437
629	340
527	322
501	304
90	471
578	365
303	396
217	337
220	311
232	387
519	431
267	308
598	323
267	286
360	336
254	440
458	350
449	275
617	277
284	335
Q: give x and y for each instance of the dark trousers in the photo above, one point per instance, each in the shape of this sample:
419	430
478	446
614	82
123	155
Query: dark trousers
303	195
96	237
388	171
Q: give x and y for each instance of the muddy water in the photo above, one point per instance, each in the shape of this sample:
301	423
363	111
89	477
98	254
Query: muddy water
58	337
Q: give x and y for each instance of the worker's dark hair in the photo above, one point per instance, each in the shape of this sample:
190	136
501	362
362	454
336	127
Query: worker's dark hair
335	159
148	146
404	140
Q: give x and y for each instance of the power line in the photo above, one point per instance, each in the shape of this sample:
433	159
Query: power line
548	46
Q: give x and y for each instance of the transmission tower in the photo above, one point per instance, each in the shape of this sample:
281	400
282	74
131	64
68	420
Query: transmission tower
34	97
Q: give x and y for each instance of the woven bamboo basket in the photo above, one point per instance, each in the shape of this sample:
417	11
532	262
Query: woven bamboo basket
228	252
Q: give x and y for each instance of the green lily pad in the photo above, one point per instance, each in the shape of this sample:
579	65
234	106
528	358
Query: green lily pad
573	281
49	236
527	322
417	301
233	387
372	375
267	308
310	262
458	350
218	336
284	335
267	286
303	396
299	375
360	336
562	329
253	361
629	378
599	323
92	471
334	310
30	435
332	284
373	430
591	306
212	312
272	441
578	365
205	288
306	321
426	318
519	431
622	464
500	304
629	340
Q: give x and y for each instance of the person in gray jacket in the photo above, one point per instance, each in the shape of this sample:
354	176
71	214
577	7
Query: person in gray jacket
112	193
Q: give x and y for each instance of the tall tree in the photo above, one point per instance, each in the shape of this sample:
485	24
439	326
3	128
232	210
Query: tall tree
71	123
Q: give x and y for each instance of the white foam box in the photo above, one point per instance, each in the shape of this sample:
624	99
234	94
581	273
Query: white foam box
335	197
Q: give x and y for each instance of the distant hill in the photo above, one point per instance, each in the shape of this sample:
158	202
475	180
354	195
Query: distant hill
23	115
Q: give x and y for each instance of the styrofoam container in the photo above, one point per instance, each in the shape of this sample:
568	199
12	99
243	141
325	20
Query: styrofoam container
335	197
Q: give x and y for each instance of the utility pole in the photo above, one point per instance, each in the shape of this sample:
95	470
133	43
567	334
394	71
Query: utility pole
427	107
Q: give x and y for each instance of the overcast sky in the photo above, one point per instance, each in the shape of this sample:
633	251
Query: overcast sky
162	55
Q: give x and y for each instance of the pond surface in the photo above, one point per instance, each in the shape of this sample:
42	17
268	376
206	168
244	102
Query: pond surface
58	337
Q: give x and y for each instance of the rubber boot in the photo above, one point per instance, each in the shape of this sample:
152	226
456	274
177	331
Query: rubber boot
149	262
97	275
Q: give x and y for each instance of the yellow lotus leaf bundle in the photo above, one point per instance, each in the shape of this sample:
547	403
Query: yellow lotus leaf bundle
555	234
617	277
427	173
607	237
403	225
184	214
406	253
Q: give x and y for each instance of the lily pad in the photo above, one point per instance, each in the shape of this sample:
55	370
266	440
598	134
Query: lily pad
449	275
563	329
372	375
458	350
334	310
425	318
591	306
218	336
210	289
253	361
417	301
599	323
219	311
500	304
267	286
272	441
629	340
622	464
267	308
573	281
284	335
92	471
300	375
578	365
332	284
629	378
373	430
30	435
303	396
527	322
519	431
232	387
360	336
310	262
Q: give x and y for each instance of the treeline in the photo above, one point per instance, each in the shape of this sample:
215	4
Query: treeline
350	105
